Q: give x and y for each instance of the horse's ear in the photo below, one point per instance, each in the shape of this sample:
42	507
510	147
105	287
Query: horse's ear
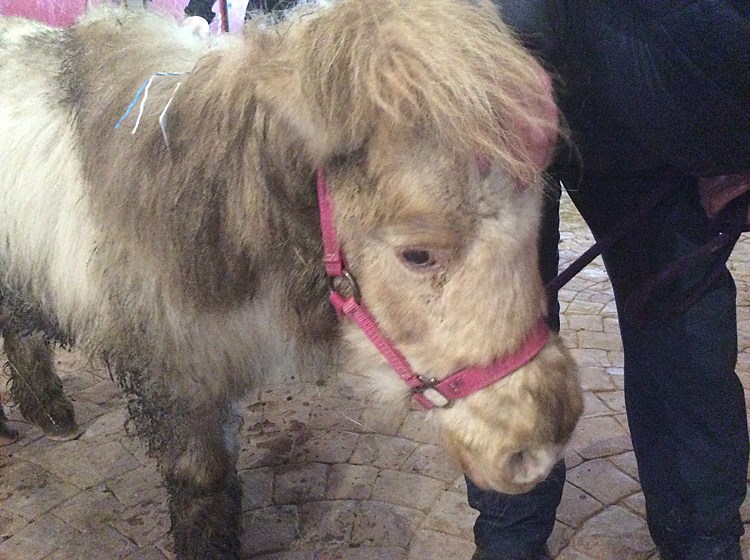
282	95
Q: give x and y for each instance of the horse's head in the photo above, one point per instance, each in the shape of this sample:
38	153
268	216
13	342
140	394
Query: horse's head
433	127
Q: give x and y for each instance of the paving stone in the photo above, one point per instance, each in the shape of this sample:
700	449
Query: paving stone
86	412
87	510
252	418
430	544
589	323
579	307
626	463
326	523
366	553
569	554
560	538
615	533
622	420
385	452
595	378
599	340
407	489
104	542
418	427
28	491
137	450
433	461
615	400
290	555
138	485
576	506
101	393
610	310
107	424
257	488
286	414
145	522
300	483
31	444
593	406
325	447
88	463
385	525
451	515
339	414
636	503
385	420
602	480
148	553
270	529
263	450
572	459
617	360
600	437
37	540
352	482
10	522
459	485
611	325
590	358
618	378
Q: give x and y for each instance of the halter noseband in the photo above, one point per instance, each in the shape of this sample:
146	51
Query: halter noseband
428	392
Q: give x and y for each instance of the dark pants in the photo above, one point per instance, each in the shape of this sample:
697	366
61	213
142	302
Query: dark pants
685	405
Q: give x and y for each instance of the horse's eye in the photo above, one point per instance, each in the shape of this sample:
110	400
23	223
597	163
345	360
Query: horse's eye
419	258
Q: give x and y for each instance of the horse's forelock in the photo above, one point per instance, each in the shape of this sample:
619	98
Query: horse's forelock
452	70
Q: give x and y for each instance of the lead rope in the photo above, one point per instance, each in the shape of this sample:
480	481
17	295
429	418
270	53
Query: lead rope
730	225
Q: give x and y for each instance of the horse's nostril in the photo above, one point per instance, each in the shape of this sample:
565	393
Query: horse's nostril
517	460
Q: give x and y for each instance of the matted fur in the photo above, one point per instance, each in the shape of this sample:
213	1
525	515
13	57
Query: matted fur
190	256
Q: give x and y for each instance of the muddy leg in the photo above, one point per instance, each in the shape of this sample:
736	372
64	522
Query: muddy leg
36	388
197	456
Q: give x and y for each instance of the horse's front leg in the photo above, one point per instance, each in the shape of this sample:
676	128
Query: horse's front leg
192	439
205	498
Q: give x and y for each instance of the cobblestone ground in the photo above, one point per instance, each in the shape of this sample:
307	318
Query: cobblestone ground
327	477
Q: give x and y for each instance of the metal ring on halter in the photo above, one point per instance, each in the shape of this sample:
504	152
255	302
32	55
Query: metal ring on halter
353	287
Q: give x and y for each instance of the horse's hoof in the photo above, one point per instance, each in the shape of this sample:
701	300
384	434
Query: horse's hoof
8	436
63	433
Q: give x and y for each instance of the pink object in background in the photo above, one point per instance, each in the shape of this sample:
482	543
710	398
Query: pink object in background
53	12
236	11
64	12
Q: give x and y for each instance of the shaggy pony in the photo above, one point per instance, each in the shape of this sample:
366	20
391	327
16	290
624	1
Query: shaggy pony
176	232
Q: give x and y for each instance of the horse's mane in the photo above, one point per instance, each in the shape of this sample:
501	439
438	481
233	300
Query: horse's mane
450	68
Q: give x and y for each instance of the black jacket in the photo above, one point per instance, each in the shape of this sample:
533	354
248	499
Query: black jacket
648	83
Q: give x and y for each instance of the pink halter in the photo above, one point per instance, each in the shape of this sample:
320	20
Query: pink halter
429	393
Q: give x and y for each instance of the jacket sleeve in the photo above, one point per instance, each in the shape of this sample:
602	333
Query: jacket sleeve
660	83
538	23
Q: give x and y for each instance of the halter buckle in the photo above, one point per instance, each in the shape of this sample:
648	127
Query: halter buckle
347	281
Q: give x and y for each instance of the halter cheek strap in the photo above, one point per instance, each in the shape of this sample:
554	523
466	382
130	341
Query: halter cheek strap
428	392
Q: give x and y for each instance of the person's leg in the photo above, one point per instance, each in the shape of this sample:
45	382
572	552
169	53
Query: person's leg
685	405
513	527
